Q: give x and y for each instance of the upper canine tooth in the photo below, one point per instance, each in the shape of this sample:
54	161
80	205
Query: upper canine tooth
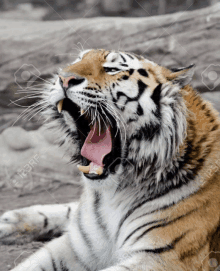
99	171
82	111
60	106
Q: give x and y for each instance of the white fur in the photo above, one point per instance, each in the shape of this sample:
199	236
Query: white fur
93	239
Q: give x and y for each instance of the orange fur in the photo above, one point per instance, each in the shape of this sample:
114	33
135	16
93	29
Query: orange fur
197	217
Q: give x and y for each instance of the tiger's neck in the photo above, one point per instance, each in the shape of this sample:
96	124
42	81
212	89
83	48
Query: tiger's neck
178	148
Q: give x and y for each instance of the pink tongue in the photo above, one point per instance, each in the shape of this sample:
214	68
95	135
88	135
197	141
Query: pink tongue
96	146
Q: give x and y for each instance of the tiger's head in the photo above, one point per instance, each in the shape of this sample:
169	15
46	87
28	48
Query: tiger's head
119	113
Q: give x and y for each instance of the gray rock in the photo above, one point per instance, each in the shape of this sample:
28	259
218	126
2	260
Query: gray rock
17	138
49	136
29	163
173	40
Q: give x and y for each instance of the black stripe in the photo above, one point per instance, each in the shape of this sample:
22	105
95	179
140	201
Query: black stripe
98	216
90	95
63	266
191	253
68	213
77	258
124	65
147	132
183	68
156	210
125	267
174	121
131	71
140	111
109	69
82	231
122	57
98	85
156	96
106	55
143	72
131	120
138	56
132	210
166	185
130	56
42	269
90	88
113	98
140	227
141	88
54	265
214	128
45	219
164	224
163	249
125	77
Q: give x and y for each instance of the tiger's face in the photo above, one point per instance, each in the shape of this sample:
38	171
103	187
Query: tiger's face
108	103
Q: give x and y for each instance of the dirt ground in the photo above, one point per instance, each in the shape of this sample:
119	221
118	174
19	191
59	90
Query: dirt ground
10	255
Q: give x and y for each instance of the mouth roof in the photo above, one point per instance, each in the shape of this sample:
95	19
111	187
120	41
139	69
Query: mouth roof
100	143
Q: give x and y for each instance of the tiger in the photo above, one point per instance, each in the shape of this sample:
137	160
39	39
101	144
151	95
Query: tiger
148	149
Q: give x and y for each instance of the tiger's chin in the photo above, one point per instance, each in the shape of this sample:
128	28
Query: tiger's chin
99	139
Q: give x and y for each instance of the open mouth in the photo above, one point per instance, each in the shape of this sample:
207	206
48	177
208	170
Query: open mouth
100	142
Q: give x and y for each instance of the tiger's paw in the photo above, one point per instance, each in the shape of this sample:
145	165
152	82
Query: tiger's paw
17	226
37	222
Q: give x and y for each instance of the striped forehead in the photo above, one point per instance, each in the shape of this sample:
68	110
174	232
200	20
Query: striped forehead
126	59
123	59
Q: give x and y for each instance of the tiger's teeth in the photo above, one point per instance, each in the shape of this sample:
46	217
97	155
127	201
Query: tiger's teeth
84	169
99	171
82	111
60	106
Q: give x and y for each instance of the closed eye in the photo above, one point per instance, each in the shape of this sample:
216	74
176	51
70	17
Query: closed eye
111	69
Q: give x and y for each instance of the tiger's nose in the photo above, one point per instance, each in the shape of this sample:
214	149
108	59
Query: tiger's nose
70	81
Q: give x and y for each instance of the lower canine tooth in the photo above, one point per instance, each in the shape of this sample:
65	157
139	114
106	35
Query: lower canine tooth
82	111
99	171
60	106
84	169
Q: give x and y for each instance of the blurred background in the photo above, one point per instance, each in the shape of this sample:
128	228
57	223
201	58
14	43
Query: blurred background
69	9
39	36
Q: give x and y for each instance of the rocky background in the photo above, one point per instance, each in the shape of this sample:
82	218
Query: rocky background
33	170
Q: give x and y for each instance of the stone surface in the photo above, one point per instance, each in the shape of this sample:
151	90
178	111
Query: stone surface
172	40
17	138
29	162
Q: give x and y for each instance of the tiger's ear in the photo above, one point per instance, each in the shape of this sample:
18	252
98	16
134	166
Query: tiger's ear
181	76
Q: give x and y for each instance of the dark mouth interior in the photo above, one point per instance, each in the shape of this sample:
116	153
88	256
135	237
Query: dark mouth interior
112	159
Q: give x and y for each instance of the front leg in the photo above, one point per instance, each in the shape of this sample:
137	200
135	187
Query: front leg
57	255
35	221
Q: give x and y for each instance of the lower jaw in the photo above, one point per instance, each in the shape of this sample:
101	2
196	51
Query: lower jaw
111	161
109	168
93	176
